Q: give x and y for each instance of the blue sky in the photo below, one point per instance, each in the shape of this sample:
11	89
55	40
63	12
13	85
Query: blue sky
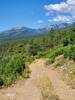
33	13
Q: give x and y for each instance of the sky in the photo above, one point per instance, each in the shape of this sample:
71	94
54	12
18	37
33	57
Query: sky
35	13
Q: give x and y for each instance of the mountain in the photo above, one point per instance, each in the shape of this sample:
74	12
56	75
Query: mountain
21	32
59	26
25	31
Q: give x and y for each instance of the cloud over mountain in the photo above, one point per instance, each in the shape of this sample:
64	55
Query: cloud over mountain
63	11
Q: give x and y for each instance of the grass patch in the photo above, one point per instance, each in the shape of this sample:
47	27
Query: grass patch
46	88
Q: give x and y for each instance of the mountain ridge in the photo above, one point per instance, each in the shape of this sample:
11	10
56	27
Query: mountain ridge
25	31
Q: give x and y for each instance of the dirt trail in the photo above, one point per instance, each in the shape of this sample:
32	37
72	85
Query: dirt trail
61	89
28	90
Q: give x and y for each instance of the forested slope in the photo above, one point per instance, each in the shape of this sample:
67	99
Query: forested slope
16	54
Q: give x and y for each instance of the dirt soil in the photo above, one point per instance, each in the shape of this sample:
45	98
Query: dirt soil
28	89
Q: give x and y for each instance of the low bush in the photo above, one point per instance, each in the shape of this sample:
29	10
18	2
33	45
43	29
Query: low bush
11	68
67	51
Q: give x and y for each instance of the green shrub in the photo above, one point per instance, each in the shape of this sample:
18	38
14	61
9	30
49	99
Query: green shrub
65	42
67	51
11	68
53	54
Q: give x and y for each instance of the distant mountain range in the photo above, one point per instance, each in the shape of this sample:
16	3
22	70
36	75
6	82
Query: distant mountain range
60	26
24	31
21	32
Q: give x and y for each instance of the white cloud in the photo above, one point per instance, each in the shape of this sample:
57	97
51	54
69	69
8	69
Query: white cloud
56	7
40	21
62	18
62	9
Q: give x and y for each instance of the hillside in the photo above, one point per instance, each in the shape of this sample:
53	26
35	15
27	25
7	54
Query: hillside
57	46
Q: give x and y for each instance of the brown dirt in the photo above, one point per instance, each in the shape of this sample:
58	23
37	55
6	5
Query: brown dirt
28	89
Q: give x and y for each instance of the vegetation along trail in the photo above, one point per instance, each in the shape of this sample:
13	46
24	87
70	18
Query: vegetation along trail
29	89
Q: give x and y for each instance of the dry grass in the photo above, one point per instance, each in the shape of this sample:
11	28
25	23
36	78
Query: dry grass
59	61
68	75
46	88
